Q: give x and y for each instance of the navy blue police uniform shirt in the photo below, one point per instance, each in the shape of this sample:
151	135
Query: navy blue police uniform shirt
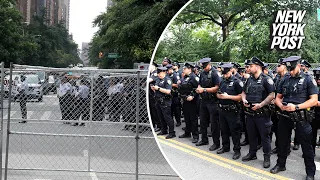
298	89
191	79
207	82
164	83
257	90
232	86
237	75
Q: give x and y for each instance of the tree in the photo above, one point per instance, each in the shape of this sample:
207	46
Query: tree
131	28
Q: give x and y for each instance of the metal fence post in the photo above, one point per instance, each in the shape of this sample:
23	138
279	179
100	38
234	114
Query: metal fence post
91	117
8	125
137	125
1	126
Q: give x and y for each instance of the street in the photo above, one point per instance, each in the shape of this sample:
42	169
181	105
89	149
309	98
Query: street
68	157
194	162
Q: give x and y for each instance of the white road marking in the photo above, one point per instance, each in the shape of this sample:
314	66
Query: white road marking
85	153
42	179
46	115
93	175
317	165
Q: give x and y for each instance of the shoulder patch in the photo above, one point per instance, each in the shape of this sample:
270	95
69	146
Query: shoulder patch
241	83
169	81
270	81
197	79
314	82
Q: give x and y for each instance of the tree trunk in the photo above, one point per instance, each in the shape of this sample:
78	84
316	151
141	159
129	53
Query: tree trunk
225	34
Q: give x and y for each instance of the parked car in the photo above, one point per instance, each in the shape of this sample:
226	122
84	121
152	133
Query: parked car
35	90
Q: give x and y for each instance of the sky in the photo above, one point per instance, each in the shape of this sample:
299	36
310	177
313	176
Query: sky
82	14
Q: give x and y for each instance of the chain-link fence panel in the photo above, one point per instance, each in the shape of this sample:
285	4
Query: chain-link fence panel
79	124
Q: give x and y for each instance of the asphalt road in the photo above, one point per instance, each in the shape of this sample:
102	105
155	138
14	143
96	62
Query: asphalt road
193	163
68	157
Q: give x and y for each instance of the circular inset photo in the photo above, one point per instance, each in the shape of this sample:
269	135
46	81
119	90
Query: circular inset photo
233	90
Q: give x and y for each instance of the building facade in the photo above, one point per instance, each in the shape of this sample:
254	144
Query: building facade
85	53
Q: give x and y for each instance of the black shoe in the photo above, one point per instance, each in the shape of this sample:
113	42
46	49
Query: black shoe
249	157
277	169
296	147
222	150
236	155
244	143
195	140
22	121
259	146
310	178
178	124
214	147
266	161
209	135
185	135
201	143
81	124
170	136
74	124
157	129
274	151
162	133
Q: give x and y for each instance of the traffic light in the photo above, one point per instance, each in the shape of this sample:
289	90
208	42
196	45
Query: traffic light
100	54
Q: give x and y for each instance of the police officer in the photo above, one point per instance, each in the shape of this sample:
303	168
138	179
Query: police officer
305	65
281	73
229	97
152	101
257	94
266	71
296	94
235	69
166	61
64	96
189	97
176	68
208	87
316	122
162	89
175	106
83	104
23	96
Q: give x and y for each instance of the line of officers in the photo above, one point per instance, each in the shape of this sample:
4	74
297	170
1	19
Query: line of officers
250	97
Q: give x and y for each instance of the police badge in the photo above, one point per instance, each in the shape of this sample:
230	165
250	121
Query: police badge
270	81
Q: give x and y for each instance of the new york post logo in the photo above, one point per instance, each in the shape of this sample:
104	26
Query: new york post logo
287	31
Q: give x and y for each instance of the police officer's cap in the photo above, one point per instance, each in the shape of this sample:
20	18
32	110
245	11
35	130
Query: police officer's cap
247	62
292	61
176	64
197	67
187	65
280	61
167	60
205	61
161	69
305	63
241	69
155	64
236	65
316	71
265	65
257	61
226	68
169	66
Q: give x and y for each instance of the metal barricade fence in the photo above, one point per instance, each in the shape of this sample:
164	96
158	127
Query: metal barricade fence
78	124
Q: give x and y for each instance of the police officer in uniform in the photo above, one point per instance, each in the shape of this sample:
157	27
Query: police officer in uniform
165	62
316	122
235	69
305	65
23	95
64	96
296	94
175	107
189	107
176	68
162	89
257	94
229	98
152	101
208	87
266	70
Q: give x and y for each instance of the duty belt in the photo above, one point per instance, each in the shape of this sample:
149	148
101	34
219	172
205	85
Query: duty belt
298	116
228	107
264	111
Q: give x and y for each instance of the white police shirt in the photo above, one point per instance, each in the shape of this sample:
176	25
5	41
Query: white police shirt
64	88
24	87
83	91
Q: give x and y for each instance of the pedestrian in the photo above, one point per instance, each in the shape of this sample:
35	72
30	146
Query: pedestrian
296	94
64	95
162	89
152	101
207	89
258	92
23	97
229	96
